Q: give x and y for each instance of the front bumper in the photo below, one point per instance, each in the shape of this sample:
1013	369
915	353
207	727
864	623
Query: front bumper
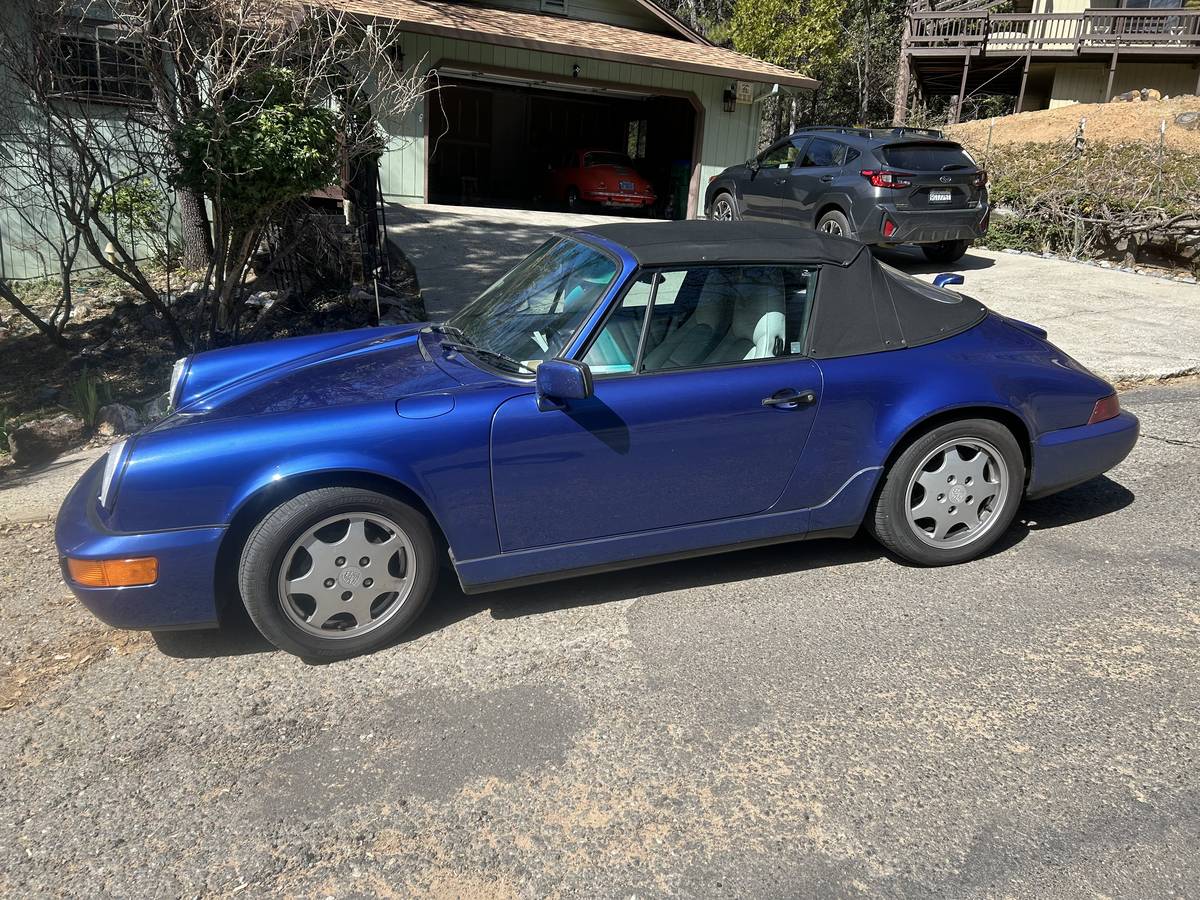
184	595
920	226
1071	456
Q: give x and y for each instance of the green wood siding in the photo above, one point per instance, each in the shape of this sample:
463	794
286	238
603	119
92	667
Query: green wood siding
726	138
1086	82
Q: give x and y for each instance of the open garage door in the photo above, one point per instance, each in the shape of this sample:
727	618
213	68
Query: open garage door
500	142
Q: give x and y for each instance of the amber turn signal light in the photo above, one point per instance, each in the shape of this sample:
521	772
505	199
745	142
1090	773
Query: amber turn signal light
113	572
1106	408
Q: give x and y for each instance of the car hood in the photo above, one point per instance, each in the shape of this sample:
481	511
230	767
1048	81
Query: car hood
329	370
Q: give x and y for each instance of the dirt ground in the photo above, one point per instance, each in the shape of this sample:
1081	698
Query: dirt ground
1113	122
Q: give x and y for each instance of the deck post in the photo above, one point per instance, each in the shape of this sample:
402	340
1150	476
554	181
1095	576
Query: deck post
962	89
1197	91
1112	74
1024	80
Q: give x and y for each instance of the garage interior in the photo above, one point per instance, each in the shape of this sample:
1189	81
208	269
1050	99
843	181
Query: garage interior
492	141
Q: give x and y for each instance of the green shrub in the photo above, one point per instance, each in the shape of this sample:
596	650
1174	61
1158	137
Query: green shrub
88	394
4	429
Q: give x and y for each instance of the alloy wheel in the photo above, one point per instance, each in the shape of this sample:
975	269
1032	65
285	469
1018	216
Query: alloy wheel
832	226
723	210
956	493
346	575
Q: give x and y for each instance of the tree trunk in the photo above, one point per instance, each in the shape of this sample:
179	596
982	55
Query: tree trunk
194	229
903	74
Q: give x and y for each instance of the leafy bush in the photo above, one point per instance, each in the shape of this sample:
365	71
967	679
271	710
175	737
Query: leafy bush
265	147
136	205
1084	204
88	394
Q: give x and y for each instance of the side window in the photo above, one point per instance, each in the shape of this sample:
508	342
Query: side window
780	157
824	154
707	316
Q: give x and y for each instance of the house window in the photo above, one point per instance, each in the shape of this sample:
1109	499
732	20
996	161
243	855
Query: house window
99	63
635	139
555	6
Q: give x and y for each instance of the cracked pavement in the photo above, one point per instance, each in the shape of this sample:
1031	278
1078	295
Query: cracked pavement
803	719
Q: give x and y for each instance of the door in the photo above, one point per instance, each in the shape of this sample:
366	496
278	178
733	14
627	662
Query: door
765	185
701	408
813	175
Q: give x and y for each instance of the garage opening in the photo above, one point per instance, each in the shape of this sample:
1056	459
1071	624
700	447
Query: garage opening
513	145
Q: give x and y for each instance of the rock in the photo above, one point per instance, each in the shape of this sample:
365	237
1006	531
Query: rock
155	409
44	439
117	418
1189	120
44	393
1150	94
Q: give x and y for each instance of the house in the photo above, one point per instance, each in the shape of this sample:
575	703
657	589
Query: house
514	86
521	83
1048	53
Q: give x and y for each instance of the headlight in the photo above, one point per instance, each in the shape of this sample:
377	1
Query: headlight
112	465
176	382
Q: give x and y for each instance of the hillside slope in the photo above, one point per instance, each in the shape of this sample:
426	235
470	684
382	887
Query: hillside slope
1112	122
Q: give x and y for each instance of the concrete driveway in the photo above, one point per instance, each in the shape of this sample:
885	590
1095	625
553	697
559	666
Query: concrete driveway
1124	326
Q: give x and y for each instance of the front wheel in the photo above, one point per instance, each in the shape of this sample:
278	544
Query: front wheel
337	572
951	494
724	208
834	222
945	251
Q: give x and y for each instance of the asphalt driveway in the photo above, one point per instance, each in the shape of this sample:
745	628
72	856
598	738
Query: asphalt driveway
1125	326
812	719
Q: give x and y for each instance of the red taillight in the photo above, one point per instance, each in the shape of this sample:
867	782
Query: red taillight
1106	408
881	178
889	227
981	179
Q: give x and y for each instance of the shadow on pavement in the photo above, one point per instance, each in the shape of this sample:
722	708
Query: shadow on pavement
238	636
913	261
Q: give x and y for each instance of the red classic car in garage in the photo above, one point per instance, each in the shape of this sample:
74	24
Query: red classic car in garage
599	177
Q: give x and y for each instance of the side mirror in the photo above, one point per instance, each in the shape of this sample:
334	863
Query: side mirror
948	278
562	379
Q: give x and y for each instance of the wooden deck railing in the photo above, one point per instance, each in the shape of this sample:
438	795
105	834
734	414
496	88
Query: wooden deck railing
1138	30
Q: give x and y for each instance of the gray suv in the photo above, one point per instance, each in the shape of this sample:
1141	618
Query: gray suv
881	186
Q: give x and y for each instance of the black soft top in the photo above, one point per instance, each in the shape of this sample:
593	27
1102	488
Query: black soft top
861	306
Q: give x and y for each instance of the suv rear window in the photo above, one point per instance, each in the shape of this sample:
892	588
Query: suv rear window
927	157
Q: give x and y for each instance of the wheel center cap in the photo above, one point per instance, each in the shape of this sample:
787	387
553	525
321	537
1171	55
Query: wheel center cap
958	494
350	578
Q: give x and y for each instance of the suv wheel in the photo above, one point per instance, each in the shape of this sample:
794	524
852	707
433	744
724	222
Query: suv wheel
834	222
945	251
724	208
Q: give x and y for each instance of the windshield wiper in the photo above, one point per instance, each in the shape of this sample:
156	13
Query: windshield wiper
446	328
489	354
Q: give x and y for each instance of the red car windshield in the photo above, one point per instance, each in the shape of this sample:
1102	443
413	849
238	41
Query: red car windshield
591	160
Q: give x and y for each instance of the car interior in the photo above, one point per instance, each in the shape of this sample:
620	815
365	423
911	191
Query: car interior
707	316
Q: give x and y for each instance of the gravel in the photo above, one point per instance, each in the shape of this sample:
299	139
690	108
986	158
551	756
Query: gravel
796	720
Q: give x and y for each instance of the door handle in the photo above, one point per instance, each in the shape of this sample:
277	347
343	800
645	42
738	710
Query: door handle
827	179
790	399
781	181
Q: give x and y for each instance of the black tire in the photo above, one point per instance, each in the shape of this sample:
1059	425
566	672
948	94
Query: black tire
889	520
945	251
271	540
726	198
834	222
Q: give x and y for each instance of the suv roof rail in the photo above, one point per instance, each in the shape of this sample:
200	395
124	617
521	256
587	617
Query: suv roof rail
873	132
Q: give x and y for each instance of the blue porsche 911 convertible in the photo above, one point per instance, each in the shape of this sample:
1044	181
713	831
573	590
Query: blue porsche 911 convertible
627	394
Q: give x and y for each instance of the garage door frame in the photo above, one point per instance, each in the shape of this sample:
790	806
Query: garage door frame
549	80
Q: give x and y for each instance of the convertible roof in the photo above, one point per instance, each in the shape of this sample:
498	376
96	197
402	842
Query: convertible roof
703	240
860	306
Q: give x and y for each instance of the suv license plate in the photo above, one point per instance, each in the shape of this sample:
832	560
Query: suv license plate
941	196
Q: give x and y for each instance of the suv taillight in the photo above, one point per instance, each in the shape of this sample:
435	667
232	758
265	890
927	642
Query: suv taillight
882	178
981	179
1106	408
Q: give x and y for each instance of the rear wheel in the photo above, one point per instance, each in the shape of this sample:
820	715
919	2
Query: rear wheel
945	251
951	494
834	222
337	572
724	208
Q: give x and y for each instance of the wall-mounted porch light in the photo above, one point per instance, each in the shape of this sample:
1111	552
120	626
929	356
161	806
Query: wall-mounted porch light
730	100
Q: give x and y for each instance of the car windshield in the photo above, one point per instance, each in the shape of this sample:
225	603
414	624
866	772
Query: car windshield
531	313
606	159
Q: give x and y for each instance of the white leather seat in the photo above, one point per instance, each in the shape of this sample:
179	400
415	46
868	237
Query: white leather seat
692	341
759	326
